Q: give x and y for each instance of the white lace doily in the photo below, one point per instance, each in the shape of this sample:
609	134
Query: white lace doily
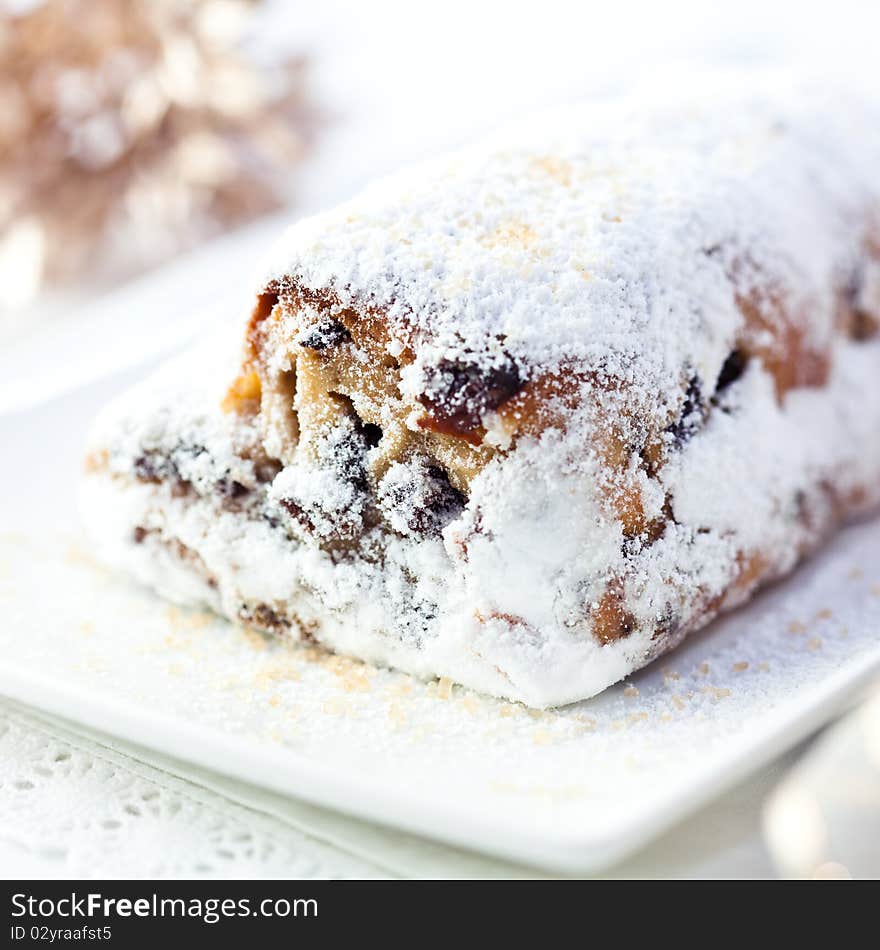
70	807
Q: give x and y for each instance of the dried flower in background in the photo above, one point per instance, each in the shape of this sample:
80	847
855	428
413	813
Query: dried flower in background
132	128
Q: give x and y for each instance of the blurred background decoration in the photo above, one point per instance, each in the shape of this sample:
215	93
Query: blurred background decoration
823	820
130	129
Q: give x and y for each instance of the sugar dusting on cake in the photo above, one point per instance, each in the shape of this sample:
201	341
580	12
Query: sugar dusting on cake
611	246
606	234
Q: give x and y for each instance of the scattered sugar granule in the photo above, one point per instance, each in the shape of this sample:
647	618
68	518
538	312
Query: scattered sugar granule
396	714
444	687
717	692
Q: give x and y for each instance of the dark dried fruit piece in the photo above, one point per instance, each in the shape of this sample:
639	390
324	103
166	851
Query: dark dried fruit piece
864	326
457	395
692	415
266	469
298	513
346	454
419	500
152	467
442	503
667	625
264	617
372	433
733	368
230	488
231	492
156	467
324	334
859	322
335	518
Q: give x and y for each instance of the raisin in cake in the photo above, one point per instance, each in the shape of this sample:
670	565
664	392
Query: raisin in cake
527	415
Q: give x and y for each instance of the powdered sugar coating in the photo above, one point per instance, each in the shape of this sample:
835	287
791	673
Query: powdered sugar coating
675	270
607	234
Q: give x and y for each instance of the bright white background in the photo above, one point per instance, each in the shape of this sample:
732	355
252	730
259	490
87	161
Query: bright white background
406	78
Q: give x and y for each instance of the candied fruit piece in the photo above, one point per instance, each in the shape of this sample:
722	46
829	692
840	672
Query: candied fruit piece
457	395
244	394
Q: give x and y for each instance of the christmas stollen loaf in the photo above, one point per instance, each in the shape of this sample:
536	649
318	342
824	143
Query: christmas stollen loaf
527	415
